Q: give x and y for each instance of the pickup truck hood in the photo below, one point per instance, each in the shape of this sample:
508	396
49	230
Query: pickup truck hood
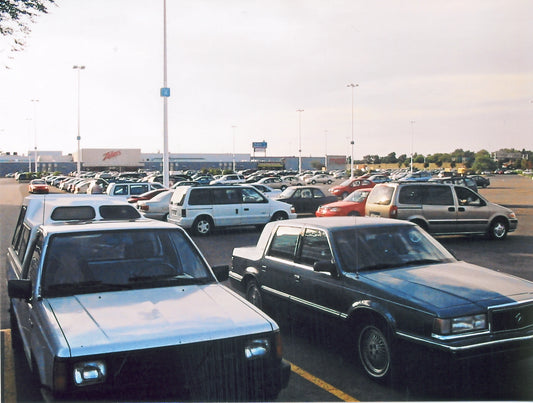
444	286
147	318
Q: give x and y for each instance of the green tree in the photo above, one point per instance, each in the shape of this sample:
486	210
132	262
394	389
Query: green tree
16	16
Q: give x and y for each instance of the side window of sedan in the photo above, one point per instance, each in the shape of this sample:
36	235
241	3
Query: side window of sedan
315	247
284	242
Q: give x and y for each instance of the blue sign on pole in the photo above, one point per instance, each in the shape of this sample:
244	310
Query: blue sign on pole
165	92
259	145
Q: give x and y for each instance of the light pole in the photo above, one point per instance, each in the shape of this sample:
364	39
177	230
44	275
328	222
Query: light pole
412	140
352	86
34	102
29	134
78	137
165	93
326	149
234	167
299	140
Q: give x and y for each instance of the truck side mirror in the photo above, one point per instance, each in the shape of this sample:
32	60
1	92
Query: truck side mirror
19	289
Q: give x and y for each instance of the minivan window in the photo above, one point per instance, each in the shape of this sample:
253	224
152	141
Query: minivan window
467	198
380	195
438	195
227	196
198	197
252	196
411	195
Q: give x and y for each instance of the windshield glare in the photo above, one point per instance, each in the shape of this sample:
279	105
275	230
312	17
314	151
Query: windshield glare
287	193
112	260
387	247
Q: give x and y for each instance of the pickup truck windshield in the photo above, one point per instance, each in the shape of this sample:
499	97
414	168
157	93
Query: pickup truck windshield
81	263
379	248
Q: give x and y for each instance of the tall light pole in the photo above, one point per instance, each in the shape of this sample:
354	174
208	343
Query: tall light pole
412	141
34	102
326	149
29	134
234	167
78	137
299	140
165	93
352	86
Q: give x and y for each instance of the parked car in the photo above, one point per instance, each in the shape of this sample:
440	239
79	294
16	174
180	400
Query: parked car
267	190
202	208
113	306
441	209
481	181
457	180
320	178
305	199
228	180
185	183
292	180
352	205
38	186
157	207
127	189
388	284
273	182
349	185
419	176
146	196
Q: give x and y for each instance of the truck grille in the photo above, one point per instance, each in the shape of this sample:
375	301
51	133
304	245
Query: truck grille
512	317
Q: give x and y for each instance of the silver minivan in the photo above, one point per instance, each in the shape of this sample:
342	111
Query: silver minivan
201	208
441	209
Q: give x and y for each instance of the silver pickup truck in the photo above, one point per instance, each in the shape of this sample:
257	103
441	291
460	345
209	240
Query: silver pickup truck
106	304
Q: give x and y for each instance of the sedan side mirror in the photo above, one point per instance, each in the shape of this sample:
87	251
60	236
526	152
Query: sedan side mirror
19	289
327	266
221	272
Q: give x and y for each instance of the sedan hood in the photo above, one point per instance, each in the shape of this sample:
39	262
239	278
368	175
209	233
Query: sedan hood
444	286
148	318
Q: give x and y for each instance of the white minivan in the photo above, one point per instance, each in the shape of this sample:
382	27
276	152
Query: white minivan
201	208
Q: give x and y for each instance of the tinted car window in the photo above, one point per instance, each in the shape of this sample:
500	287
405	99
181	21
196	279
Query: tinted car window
467	198
227	196
138	189
315	247
198	197
438	195
251	196
284	242
410	195
121	190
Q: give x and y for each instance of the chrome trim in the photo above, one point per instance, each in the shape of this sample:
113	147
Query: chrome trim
235	276
463	348
306	303
460	335
516	303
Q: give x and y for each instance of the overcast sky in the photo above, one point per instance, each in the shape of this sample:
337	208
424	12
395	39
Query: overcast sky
432	76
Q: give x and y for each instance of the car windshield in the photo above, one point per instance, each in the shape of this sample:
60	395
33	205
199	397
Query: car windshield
81	263
347	182
287	193
385	247
357	196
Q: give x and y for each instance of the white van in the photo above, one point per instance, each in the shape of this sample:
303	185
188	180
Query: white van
202	208
128	189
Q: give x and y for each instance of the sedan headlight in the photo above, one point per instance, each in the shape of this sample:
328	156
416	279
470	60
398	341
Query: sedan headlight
459	325
256	348
89	373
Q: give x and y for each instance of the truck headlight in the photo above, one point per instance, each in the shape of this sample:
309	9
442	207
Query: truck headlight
89	373
460	324
256	348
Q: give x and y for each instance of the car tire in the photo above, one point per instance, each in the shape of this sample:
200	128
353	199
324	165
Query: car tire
202	226
498	229
313	182
375	351
278	216
253	294
329	181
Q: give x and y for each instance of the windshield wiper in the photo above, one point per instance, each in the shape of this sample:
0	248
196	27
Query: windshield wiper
85	287
417	262
173	279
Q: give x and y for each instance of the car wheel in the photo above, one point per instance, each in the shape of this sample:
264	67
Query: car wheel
329	181
253	294
374	352
278	216
202	226
498	229
313	182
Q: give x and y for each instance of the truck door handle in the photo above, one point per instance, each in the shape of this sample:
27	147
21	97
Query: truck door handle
451	209
236	211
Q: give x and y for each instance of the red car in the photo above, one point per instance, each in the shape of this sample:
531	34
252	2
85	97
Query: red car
352	205
38	186
349	185
145	196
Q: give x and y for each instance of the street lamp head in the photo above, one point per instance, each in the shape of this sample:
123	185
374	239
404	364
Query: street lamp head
353	85
78	67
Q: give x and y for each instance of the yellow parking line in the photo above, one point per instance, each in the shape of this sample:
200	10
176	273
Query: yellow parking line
323	385
9	389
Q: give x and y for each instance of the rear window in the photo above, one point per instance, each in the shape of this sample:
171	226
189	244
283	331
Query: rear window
381	195
119	212
73	213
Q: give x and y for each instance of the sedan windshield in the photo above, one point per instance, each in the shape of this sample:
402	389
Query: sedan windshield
81	263
385	247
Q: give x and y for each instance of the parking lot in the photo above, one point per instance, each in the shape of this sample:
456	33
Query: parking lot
321	357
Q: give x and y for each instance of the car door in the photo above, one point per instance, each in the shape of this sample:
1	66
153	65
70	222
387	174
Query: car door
473	214
254	208
227	205
439	208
